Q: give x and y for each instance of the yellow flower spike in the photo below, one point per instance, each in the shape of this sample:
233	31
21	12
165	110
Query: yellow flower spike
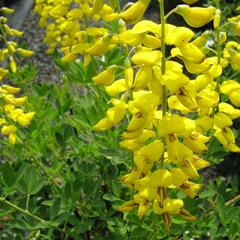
174	81
201	40
137	121
190	188
146	26
177	152
97	7
150	41
201	82
70	57
18	101
106	77
146	57
197	68
116	88
160	178
129	76
217	19
175	124
199	163
8	129
234	97
130	178
232	148
221	137
196	16
228	86
221	120
127	206
117	112
207	98
11	46
100	46
185	214
10	89
145	101
195	143
143	208
188	52
143	164
157	207
74	13
142	183
172	206
187	96
137	143
15	114
228	135
59	10
110	17
12	137
149	193
153	151
25	119
6	10
24	52
179	36
173	103
178	176
3	72
135	12
189	169
103	125
143	76
131	38
228	109
131	144
9	107
13	65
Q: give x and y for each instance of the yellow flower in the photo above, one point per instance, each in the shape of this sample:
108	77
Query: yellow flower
196	16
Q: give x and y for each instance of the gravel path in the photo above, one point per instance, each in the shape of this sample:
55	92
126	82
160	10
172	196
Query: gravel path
33	37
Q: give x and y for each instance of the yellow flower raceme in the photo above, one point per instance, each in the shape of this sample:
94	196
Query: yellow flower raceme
135	12
196	16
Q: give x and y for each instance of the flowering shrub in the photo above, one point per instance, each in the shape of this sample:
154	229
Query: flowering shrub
173	102
170	94
11	112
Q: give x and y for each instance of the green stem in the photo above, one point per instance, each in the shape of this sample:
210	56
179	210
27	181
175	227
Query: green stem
26	212
218	43
27	202
163	70
163	49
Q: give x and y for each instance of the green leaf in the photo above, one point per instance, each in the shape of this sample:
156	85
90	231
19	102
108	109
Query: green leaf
67	190
31	183
8	174
55	208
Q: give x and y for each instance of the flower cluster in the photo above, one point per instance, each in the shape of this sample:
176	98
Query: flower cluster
173	102
11	104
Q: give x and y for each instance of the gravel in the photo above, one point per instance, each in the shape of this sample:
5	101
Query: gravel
33	37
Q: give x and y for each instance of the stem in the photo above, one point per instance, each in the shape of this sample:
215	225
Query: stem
163	49
218	42
26	212
233	200
27	202
163	70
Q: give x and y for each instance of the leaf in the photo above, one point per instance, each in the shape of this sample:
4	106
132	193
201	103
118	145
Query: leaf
60	218
55	208
67	190
31	183
8	174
